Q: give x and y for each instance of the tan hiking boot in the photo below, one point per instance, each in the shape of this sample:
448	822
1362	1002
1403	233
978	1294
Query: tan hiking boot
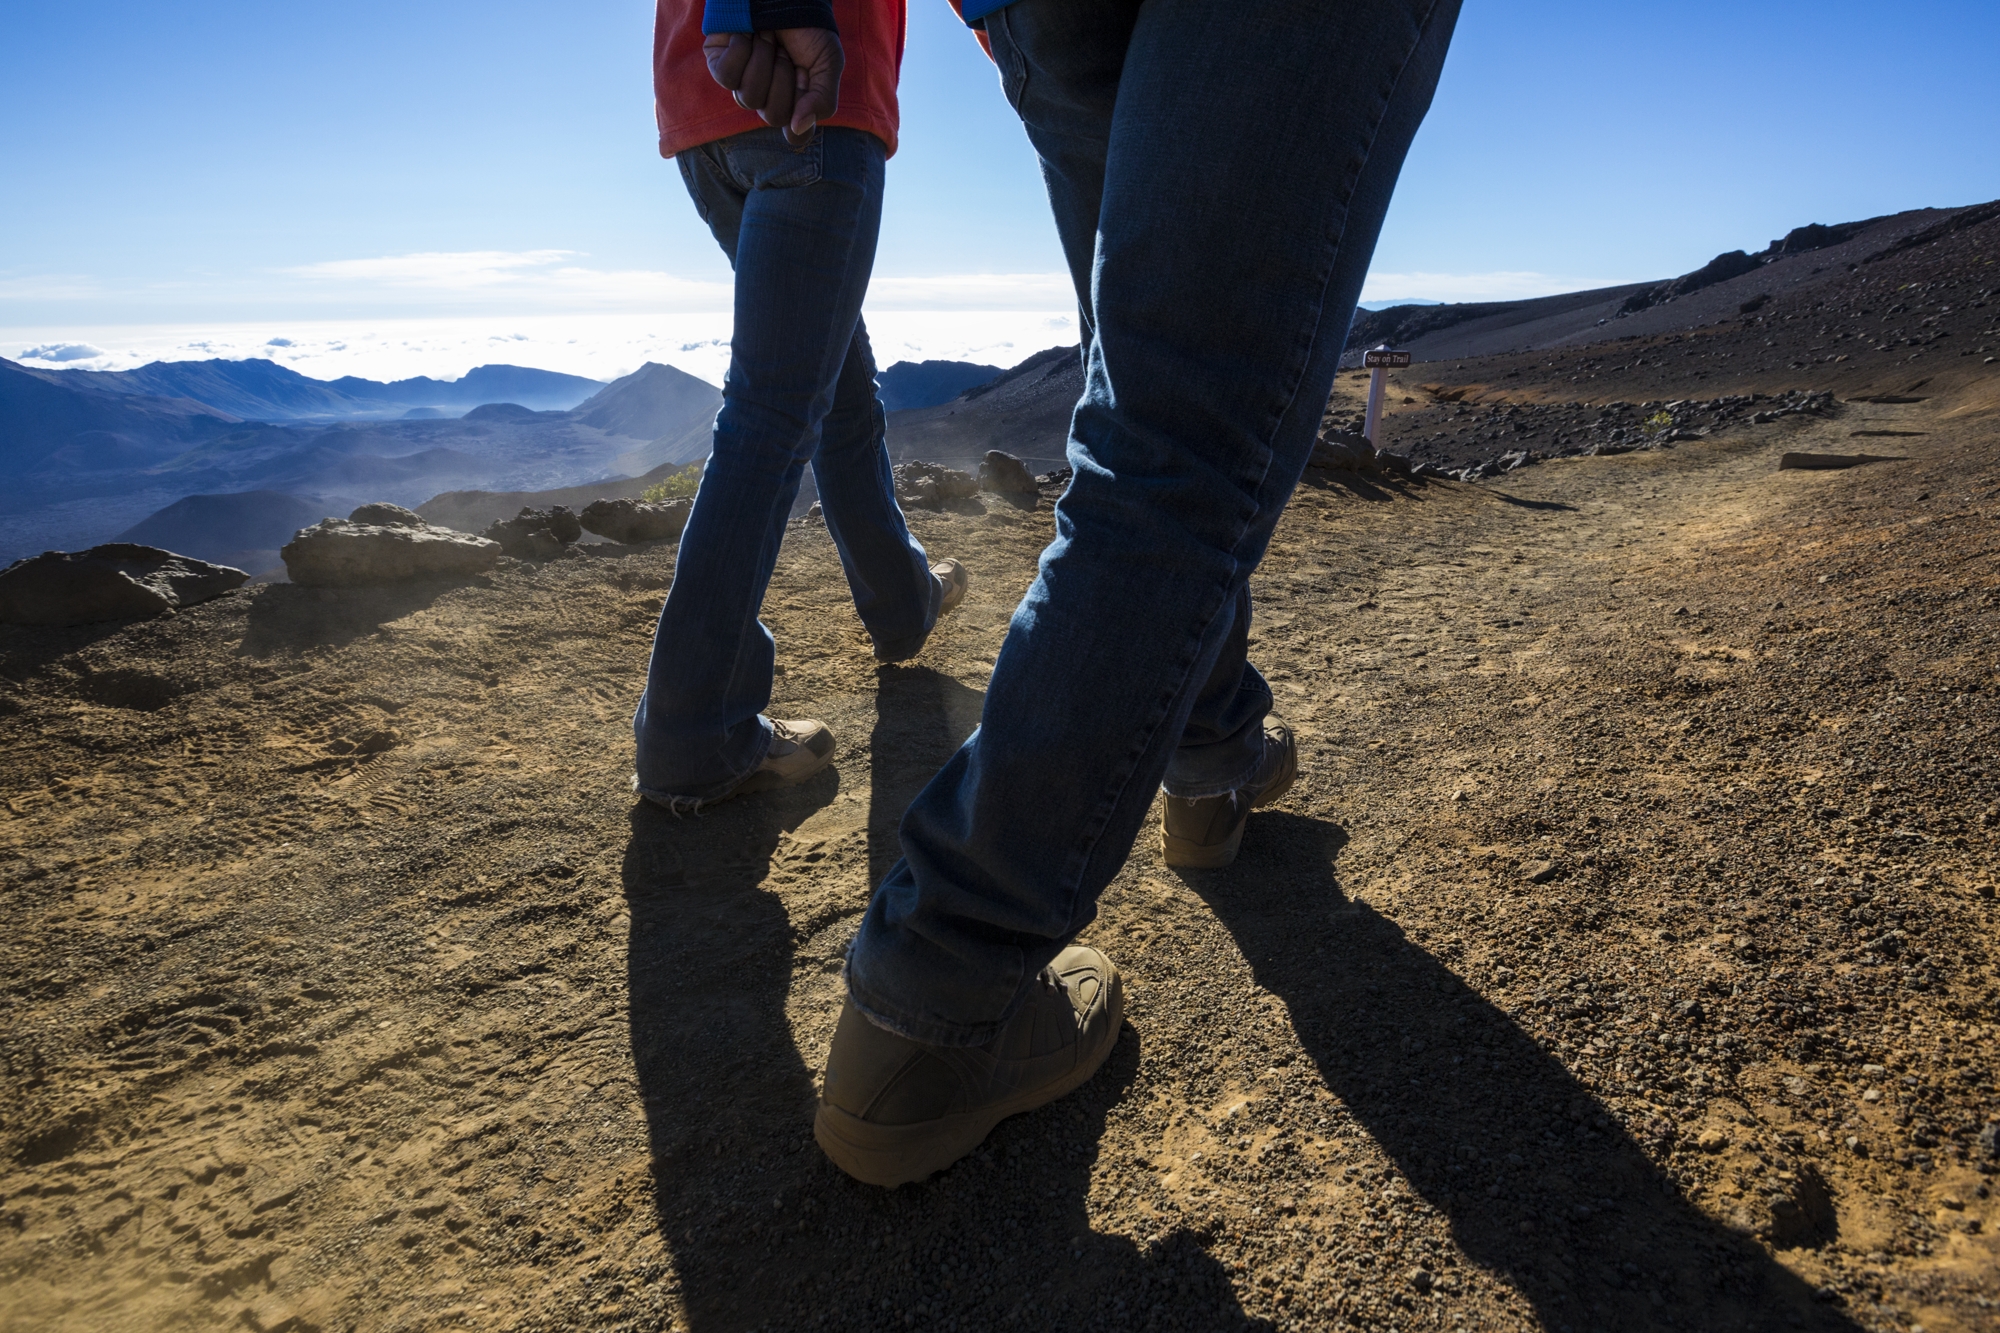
798	751
952	581
892	1110
952	577
1206	834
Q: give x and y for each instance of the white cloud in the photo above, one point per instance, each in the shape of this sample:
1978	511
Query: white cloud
1504	285
452	270
551	280
63	352
517	279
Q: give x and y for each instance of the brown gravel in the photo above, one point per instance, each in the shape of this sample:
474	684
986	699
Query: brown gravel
1622	961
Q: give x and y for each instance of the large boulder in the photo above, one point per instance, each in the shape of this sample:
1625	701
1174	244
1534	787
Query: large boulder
385	515
118	581
535	534
1004	474
929	485
398	547
634	521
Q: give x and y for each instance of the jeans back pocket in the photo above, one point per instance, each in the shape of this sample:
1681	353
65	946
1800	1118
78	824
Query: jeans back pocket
762	160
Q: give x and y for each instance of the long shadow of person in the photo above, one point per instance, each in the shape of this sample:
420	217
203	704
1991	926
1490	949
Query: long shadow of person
921	718
1538	1183
762	1230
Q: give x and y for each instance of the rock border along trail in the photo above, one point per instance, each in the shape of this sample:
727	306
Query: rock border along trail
1623	958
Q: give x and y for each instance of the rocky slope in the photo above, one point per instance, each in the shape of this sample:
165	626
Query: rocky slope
1919	321
1624	958
1795	266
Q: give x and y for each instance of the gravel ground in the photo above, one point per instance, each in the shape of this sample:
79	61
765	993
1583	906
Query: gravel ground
1622	960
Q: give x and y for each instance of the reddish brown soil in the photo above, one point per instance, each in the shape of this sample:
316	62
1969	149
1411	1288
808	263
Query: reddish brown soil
1624	959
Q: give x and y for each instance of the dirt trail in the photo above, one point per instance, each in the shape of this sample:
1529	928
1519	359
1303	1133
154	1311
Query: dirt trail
1623	960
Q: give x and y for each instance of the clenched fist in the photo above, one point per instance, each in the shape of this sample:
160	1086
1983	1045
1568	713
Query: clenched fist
788	76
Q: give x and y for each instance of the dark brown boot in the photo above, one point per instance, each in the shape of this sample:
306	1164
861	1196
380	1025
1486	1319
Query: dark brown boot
1205	834
892	1110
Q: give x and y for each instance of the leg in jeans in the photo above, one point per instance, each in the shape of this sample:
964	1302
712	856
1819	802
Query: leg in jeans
887	572
800	230
1067	97
1250	155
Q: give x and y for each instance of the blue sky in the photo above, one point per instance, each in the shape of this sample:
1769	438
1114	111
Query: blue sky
250	167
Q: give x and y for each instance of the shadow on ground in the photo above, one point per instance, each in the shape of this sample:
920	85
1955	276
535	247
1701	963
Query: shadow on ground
286	617
921	718
1539	1183
762	1230
1386	486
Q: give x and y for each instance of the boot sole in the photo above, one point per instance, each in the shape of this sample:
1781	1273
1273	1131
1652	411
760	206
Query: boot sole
1192	855
892	1155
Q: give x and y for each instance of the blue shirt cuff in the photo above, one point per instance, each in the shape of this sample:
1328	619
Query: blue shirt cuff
726	16
975	10
766	15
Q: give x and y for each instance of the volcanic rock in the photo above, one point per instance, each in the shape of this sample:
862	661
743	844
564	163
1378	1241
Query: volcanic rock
929	485
1343	451
1004	474
117	581
341	553
633	521
535	534
383	514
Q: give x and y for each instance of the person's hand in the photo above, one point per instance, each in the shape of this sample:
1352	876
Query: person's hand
790	76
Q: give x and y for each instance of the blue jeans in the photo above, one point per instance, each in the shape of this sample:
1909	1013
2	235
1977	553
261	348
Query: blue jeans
1219	174
799	229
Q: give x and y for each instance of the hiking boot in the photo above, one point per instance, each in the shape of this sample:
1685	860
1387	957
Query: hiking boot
952	582
892	1110
1205	833
951	576
798	751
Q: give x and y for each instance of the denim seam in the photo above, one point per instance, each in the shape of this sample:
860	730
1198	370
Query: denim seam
1079	862
1346	209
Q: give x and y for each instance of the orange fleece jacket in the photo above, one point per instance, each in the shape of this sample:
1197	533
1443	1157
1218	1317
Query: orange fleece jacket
693	109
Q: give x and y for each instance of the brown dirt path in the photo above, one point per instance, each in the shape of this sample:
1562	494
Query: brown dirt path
1624	959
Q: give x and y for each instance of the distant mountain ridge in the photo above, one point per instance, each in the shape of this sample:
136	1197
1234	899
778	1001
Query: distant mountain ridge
257	389
914	384
65	439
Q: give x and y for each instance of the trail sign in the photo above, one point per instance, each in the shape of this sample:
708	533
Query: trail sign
1378	360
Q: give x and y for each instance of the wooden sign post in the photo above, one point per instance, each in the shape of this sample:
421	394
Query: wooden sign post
1379	361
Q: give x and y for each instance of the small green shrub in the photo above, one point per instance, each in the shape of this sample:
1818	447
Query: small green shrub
678	485
1659	421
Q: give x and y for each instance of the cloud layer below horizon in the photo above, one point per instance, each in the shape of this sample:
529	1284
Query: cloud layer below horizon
602	345
440	313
